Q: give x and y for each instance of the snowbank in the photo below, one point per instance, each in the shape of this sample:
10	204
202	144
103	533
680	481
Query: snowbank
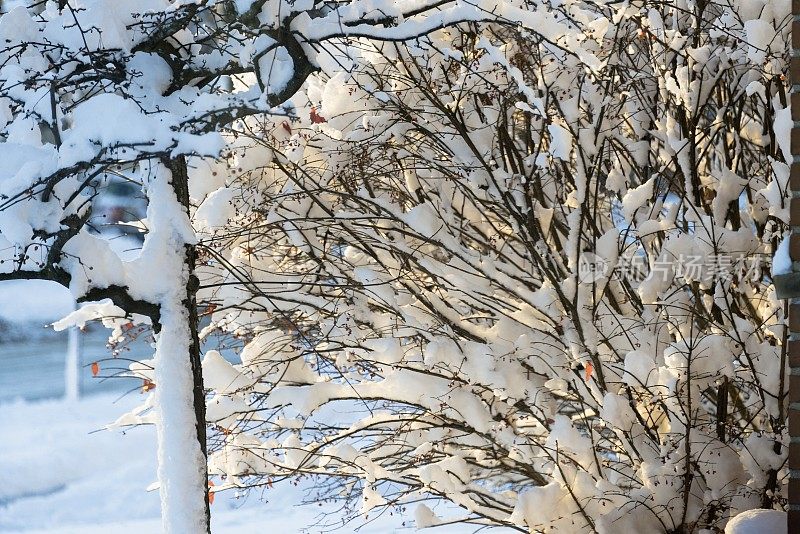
29	301
758	522
62	477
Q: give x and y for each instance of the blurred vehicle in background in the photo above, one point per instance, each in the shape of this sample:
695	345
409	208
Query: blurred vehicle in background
118	208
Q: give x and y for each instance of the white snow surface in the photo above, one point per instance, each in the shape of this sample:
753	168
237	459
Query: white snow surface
181	474
782	263
57	459
42	301
758	522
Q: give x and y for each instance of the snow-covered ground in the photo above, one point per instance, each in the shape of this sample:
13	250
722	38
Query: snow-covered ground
32	356
60	476
62	473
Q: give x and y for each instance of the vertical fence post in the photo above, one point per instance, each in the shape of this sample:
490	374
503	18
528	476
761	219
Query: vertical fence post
794	308
72	364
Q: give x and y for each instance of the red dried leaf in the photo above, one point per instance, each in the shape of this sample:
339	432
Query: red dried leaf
316	118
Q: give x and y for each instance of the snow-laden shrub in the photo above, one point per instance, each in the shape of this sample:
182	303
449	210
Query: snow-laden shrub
509	254
520	267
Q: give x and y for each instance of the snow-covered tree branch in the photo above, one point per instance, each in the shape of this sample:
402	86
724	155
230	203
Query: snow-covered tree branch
145	91
529	262
513	255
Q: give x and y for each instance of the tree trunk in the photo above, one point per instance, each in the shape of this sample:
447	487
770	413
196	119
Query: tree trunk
72	382
180	183
180	396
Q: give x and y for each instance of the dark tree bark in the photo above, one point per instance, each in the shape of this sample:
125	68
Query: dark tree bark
180	184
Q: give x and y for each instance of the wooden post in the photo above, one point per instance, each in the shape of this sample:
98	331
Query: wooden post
72	364
793	348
